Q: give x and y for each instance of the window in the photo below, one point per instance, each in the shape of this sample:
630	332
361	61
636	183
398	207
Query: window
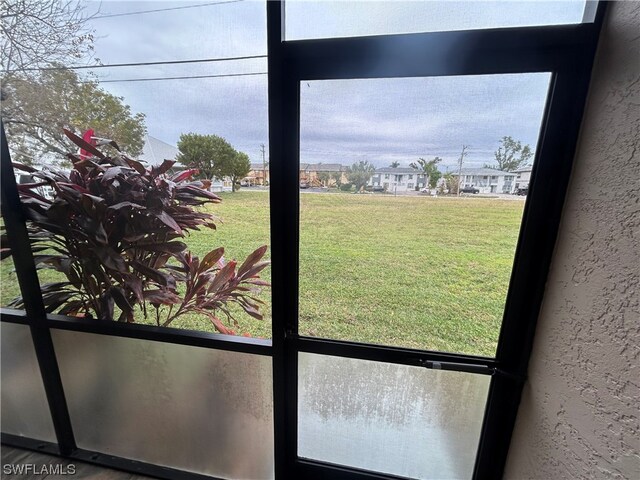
401	322
410	177
333	312
448	302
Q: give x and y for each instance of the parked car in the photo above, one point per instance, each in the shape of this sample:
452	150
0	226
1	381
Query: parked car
304	185
522	191
469	190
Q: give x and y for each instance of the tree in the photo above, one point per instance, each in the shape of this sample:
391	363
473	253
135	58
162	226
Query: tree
36	108
511	155
451	183
38	33
238	169
429	169
394	164
360	173
212	155
324	178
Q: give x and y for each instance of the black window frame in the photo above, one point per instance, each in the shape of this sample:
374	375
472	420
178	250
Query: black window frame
565	50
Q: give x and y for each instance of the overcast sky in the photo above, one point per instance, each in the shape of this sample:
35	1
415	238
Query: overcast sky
341	121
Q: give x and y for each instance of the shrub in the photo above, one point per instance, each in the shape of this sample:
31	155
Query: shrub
113	229
346	187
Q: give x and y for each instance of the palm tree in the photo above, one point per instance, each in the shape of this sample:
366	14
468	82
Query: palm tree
394	164
429	169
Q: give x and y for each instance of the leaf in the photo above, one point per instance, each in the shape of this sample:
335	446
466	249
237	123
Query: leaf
210	259
181	176
106	306
23	167
165	218
169	247
162	297
224	275
121	300
137	166
83	144
155	275
257	268
72	308
218	325
121	205
252	259
164	167
134	283
110	258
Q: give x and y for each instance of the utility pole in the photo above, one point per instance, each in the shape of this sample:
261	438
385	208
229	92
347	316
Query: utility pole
264	166
462	155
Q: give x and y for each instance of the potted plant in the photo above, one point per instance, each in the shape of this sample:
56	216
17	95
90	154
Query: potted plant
114	229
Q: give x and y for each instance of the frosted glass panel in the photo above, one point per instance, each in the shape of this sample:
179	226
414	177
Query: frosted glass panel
206	411
25	410
396	419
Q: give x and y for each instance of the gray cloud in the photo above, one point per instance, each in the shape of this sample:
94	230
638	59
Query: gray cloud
341	121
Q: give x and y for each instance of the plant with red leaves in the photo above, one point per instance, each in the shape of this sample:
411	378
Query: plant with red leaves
113	229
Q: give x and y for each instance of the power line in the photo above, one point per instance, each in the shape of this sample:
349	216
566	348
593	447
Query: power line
111	15
188	77
143	64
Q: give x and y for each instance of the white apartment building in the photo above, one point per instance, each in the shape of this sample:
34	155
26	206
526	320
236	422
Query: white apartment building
523	176
398	180
487	180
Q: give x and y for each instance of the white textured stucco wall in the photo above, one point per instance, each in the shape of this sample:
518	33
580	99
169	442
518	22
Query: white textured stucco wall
579	412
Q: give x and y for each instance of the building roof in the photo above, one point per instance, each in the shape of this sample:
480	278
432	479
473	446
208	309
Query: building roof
527	168
259	166
398	170
482	171
322	167
156	151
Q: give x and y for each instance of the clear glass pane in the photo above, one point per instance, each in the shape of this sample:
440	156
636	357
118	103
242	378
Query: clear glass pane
352	18
25	411
390	252
206	411
396	419
165	81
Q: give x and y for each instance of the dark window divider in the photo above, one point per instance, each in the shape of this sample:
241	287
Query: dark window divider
18	239
190	338
316	470
543	210
471	52
398	355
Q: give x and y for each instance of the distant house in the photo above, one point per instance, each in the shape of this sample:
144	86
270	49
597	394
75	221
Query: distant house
258	175
156	151
523	176
487	180
309	173
396	180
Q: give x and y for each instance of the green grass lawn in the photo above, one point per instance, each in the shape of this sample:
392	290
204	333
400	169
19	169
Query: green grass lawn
410	271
